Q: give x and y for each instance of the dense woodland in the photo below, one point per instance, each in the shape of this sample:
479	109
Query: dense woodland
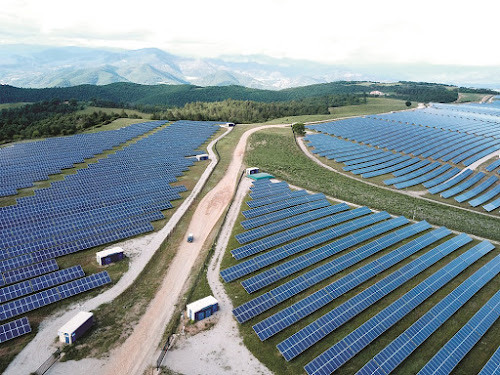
55	111
179	95
245	111
49	118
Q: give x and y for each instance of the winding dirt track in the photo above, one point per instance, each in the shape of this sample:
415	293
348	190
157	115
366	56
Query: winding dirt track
138	351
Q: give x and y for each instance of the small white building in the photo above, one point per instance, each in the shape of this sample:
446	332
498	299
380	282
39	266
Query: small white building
202	157
377	93
109	256
203	308
252	170
76	327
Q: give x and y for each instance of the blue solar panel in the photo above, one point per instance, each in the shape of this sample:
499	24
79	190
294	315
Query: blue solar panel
49	296
308	305
492	367
448	184
314	332
350	345
299	231
463	186
285	269
464	340
399	349
249	214
290	249
28	272
16	328
287	223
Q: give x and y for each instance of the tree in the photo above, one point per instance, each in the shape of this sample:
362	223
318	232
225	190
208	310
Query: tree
299	128
408	103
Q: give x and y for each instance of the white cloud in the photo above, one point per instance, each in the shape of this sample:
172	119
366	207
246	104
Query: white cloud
436	32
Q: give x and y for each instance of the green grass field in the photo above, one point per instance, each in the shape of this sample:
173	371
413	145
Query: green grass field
275	151
373	105
267	352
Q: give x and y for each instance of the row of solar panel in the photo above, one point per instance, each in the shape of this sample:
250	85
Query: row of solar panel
69	223
49	296
287	223
320	328
54	154
16	328
349	346
299	310
411	139
414	336
293	248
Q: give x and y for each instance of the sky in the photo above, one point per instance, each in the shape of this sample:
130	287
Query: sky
335	32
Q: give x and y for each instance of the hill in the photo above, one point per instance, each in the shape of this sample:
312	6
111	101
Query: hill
179	95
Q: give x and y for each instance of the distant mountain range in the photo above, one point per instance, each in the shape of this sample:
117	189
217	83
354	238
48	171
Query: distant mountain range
43	66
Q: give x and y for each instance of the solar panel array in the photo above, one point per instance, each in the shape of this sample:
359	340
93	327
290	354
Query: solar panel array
24	163
115	198
406	143
296	273
492	367
37	300
459	345
16	328
337	355
406	343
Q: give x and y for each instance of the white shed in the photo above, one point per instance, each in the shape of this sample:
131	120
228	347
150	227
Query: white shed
252	170
202	157
109	256
203	308
76	327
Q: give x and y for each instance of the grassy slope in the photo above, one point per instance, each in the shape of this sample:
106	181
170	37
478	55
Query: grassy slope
274	151
373	105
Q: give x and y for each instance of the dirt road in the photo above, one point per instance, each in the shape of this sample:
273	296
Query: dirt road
138	351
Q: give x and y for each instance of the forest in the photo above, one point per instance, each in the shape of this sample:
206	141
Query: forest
49	118
125	94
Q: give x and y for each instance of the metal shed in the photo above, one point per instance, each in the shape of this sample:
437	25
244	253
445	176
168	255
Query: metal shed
202	157
76	327
109	256
203	308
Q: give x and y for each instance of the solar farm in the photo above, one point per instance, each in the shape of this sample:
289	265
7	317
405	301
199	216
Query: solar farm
116	196
434	151
331	288
318	285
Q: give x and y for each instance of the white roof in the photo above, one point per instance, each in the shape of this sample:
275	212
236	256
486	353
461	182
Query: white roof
76	322
201	303
114	250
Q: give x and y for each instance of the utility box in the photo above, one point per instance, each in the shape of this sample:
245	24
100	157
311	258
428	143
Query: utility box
76	327
252	170
109	256
203	308
202	157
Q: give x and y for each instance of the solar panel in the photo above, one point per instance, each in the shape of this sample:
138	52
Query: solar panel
39	283
16	328
308	305
297	264
414	336
464	340
319	329
49	296
287	223
294	233
288	250
349	346
249	214
29	271
492	367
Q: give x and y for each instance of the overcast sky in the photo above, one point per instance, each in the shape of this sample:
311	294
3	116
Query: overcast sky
330	31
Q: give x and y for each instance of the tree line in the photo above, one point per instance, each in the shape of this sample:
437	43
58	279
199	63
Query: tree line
48	119
246	111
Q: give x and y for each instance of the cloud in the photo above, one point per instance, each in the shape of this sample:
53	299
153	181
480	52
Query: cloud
384	31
